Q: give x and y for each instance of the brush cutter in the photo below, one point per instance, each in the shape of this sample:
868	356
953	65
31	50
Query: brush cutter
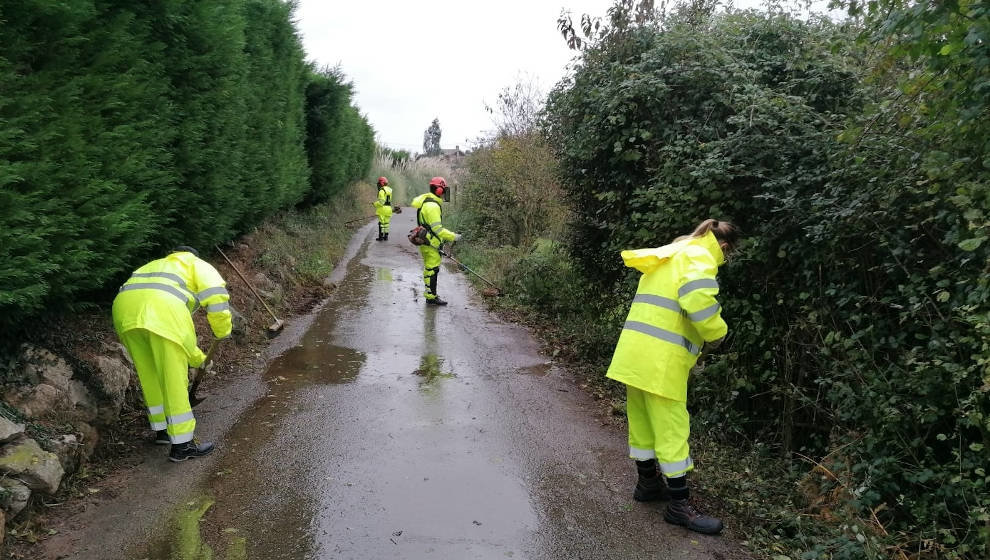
275	327
199	373
463	266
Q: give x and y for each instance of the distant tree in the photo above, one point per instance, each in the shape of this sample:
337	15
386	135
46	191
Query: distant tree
431	139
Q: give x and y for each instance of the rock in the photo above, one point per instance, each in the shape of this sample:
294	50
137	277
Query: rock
111	377
117	350
9	430
35	467
37	401
14	496
68	450
262	281
39	366
328	284
89	438
83	403
239	326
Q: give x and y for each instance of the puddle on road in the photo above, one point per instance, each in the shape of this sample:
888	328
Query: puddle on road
316	363
184	540
431	368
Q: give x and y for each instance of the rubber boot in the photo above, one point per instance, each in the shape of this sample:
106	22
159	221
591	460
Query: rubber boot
681	512
650	487
433	289
386	236
161	437
189	450
381	236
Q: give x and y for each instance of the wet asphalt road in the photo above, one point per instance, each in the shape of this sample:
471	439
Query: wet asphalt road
394	430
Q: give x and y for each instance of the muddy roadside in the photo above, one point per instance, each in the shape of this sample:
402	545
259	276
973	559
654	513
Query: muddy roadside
289	260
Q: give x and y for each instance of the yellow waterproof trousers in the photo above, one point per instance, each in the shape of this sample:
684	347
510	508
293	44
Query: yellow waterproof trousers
384	218
659	428
431	269
163	370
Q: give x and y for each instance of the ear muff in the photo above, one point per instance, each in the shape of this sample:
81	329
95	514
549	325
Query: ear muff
439	190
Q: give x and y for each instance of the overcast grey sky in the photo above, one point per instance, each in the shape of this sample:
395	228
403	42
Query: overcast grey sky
412	62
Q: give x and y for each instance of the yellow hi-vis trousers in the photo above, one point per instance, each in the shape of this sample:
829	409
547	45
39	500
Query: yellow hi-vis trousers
163	370
659	428
384	218
431	268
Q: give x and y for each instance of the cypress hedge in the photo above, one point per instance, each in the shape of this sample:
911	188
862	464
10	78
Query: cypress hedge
127	128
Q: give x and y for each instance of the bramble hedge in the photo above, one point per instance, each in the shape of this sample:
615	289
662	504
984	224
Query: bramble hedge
859	306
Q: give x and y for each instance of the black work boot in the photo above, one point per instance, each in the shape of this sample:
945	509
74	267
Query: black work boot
189	450
386	236
650	486
435	301
161	437
681	512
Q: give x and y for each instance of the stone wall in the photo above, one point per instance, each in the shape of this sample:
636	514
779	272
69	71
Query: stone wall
65	413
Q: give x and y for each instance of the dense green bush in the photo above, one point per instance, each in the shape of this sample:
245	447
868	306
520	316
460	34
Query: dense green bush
129	127
858	308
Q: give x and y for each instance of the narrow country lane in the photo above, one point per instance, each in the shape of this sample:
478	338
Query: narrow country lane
393	430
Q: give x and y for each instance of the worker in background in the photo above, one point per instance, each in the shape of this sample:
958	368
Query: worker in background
673	315
152	315
383	207
429	213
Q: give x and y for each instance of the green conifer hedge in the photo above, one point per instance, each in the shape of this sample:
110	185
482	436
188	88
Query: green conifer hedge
129	127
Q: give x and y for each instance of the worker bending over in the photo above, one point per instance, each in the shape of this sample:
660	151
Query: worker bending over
152	315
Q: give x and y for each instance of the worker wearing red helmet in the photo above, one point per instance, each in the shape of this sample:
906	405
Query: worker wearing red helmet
429	213
383	208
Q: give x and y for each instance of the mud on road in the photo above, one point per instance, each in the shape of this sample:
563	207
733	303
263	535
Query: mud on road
384	428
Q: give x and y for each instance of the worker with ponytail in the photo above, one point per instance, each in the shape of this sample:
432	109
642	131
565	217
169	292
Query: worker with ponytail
674	314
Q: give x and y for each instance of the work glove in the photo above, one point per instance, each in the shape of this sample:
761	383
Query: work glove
713	345
457	237
196	360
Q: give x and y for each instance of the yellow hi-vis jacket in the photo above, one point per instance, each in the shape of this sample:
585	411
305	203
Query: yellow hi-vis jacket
430	215
162	295
673	314
383	206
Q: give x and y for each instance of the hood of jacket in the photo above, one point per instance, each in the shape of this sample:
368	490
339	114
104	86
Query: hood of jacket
647	260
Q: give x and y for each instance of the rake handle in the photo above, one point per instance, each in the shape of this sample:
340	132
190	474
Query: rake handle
248	284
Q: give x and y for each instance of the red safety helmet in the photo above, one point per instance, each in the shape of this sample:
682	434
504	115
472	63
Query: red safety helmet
438	185
382	181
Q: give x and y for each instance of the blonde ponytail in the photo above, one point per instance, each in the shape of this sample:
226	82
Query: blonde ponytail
723	231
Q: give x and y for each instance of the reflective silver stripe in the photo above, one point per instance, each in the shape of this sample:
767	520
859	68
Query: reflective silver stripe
677	466
160	409
214	307
434	224
163	287
173	277
663	334
212	292
159	426
658	301
185	417
704	313
641	454
181	438
697	285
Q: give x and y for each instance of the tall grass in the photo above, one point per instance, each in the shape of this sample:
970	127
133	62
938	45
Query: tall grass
410	179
